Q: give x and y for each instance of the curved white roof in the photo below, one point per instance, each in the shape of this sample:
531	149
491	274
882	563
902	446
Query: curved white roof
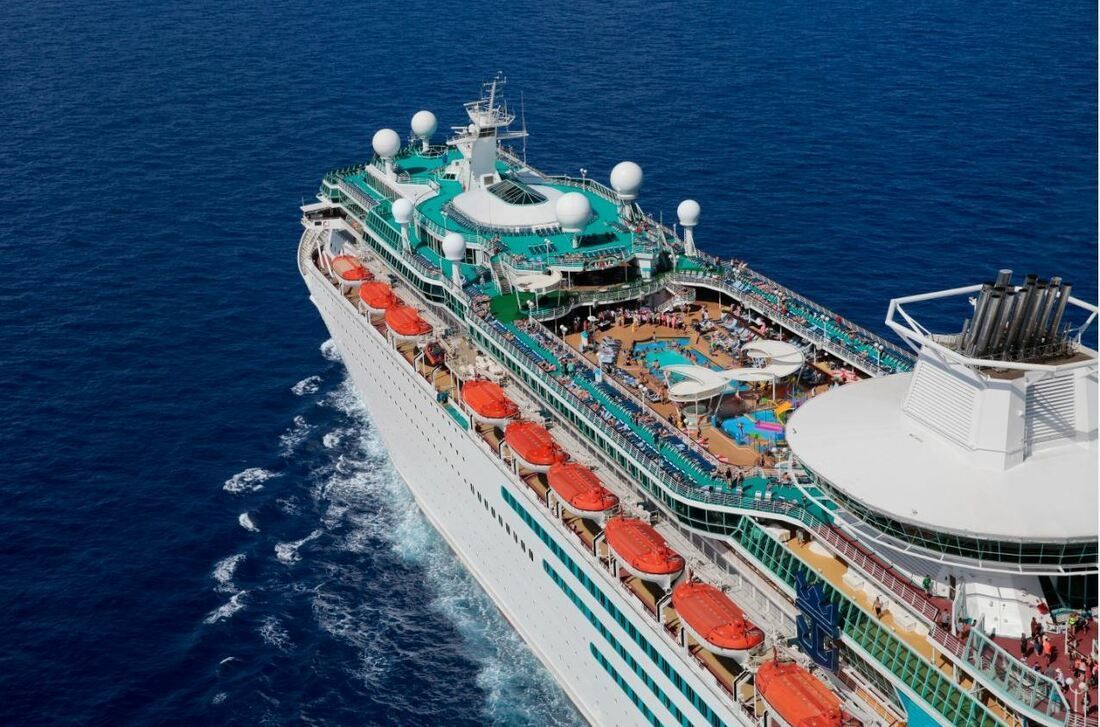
485	207
702	383
856	437
537	282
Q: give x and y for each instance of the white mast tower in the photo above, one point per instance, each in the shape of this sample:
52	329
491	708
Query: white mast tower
478	141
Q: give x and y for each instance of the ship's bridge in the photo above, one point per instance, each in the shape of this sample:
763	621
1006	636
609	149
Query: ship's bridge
987	452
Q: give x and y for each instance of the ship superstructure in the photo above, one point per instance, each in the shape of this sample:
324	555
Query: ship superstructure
700	497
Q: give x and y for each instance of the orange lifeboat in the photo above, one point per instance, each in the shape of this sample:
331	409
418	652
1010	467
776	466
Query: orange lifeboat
533	446
376	297
580	490
642	551
488	402
715	621
349	269
406	323
797	696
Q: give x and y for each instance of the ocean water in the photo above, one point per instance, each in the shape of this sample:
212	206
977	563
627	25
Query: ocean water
199	524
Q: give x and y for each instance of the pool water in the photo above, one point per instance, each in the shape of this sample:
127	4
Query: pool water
739	428
658	354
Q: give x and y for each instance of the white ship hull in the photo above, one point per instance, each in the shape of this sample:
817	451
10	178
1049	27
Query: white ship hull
458	485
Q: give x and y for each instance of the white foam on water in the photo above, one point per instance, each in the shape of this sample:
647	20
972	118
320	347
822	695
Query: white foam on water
226	610
366	492
288	552
247	522
335	438
249	480
297	433
362	625
223	573
308	385
330	352
275	634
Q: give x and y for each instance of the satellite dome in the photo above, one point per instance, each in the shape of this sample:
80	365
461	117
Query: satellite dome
454	247
386	143
626	179
402	211
688	212
573	210
424	124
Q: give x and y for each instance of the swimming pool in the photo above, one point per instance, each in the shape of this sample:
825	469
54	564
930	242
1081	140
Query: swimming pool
766	426
660	353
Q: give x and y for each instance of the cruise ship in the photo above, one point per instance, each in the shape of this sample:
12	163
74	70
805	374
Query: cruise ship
700	497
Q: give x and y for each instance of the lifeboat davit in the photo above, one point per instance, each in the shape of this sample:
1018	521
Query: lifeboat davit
580	491
406	324
642	551
798	697
533	446
488	402
377	297
715	621
350	271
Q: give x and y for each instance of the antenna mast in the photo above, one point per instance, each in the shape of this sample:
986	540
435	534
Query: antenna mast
523	120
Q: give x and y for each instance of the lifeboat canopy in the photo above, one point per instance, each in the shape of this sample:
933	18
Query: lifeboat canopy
716	622
533	446
488	402
580	490
376	296
405	322
350	270
797	696
642	551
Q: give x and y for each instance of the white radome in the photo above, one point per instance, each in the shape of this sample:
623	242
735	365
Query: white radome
402	211
454	247
688	212
386	143
626	179
573	210
424	124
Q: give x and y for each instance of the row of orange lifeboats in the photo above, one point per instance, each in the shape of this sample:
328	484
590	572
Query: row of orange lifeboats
705	612
378	298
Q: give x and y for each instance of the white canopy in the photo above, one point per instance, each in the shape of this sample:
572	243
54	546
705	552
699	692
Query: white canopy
537	283
782	359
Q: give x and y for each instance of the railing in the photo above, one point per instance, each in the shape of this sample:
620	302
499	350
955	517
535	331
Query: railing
585	183
837	347
364	201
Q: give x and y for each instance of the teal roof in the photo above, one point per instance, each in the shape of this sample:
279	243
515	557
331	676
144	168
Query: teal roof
605	237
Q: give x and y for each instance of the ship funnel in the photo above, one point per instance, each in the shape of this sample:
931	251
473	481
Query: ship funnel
1027	335
970	328
1063	299
1023	310
1043	323
992	318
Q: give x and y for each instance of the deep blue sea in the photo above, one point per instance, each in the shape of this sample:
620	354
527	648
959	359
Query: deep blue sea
197	521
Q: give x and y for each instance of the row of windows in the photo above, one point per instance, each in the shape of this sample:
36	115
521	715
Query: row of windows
1048	554
627	689
613	610
500	521
619	649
